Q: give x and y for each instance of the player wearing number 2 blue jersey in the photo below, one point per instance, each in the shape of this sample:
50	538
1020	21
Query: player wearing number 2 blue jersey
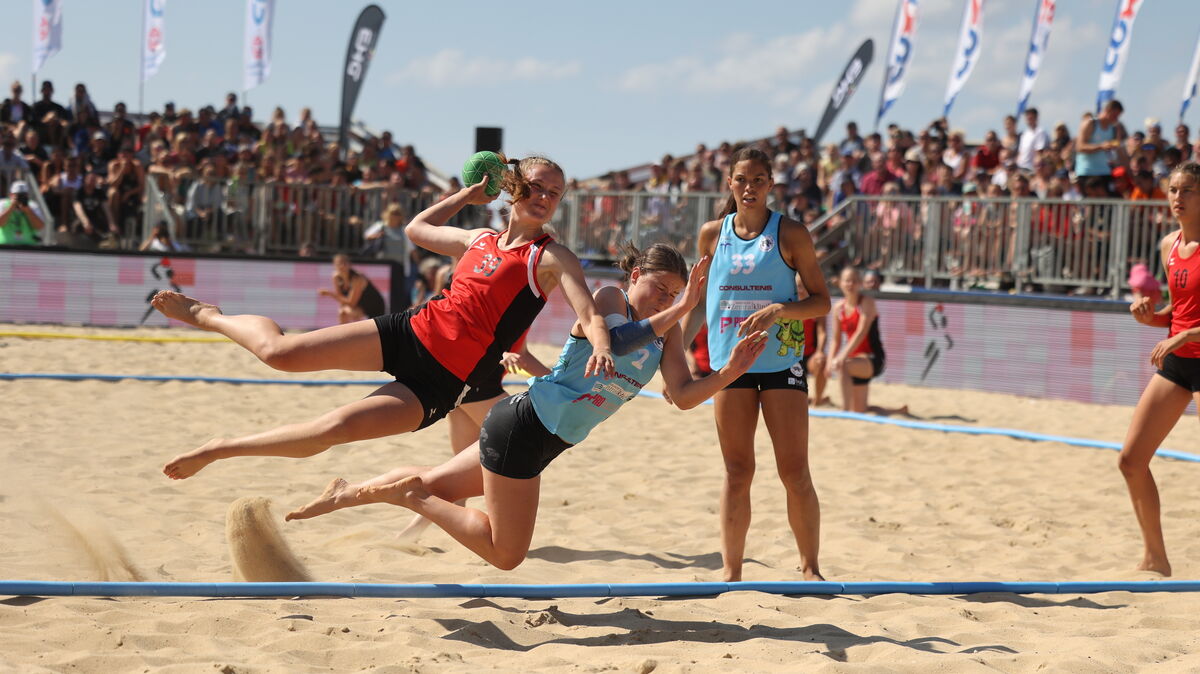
757	257
524	433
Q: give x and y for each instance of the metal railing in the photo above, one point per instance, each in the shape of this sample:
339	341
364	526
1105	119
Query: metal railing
967	242
930	241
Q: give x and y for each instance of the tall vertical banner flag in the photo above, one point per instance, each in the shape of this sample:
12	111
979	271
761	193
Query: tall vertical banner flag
1189	85
47	31
363	39
1039	39
899	56
967	54
256	54
1118	50
154	45
845	87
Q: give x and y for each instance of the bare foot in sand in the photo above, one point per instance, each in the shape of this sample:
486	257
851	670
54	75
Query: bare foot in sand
814	576
183	308
404	492
1157	566
188	464
339	494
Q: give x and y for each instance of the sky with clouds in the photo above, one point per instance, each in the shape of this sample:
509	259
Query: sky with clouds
599	86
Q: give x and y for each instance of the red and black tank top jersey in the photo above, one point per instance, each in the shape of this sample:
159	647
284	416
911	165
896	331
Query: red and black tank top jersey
1183	278
492	300
810	337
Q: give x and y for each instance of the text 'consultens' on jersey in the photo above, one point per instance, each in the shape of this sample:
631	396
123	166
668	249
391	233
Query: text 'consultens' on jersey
747	275
492	300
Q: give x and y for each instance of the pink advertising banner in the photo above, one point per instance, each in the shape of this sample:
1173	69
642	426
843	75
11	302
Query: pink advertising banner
115	290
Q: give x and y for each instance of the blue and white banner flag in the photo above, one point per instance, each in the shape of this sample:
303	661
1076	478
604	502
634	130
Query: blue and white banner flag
1118	50
154	45
1039	39
47	31
256	60
1189	85
967	54
899	56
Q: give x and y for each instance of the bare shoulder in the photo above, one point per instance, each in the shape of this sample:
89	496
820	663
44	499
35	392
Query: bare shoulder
559	256
610	300
708	236
792	231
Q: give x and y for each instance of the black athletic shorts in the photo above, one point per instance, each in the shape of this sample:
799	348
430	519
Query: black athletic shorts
514	443
877	363
406	359
1184	372
494	388
792	378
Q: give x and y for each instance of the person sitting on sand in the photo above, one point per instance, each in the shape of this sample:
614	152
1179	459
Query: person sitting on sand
858	355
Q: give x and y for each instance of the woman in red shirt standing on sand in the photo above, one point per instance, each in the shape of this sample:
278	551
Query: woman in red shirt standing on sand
1177	358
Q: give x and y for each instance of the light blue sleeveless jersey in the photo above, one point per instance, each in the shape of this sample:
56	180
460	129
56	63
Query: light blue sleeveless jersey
745	276
570	405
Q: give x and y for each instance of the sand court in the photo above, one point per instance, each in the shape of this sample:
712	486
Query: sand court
635	502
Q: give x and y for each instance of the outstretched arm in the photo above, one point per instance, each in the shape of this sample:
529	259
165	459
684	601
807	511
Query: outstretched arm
687	392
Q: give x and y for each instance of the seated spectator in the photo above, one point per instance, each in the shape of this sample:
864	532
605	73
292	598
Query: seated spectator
55	164
61	188
872	183
957	156
205	197
1183	142
987	156
126	184
15	111
11	161
119	128
1145	187
81	104
33	151
386	238
90	210
98	156
20	219
45	106
231	110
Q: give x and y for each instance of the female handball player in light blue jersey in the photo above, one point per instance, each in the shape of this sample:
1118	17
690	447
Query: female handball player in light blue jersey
757	257
523	434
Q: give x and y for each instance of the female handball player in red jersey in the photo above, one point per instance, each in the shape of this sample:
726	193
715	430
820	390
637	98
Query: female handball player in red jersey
1177	358
439	351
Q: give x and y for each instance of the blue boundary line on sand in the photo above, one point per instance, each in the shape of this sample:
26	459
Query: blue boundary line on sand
827	414
382	590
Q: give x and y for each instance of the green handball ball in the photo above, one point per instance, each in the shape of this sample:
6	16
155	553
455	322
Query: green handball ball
481	164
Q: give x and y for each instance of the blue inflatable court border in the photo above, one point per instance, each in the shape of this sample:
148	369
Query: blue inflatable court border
819	413
455	590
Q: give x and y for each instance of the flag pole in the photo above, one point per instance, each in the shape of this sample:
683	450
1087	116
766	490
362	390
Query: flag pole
142	68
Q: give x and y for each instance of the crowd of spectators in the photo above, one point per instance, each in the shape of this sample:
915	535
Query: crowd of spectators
1096	158
92	171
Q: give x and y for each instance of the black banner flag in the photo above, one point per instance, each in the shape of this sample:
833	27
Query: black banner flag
845	87
358	56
